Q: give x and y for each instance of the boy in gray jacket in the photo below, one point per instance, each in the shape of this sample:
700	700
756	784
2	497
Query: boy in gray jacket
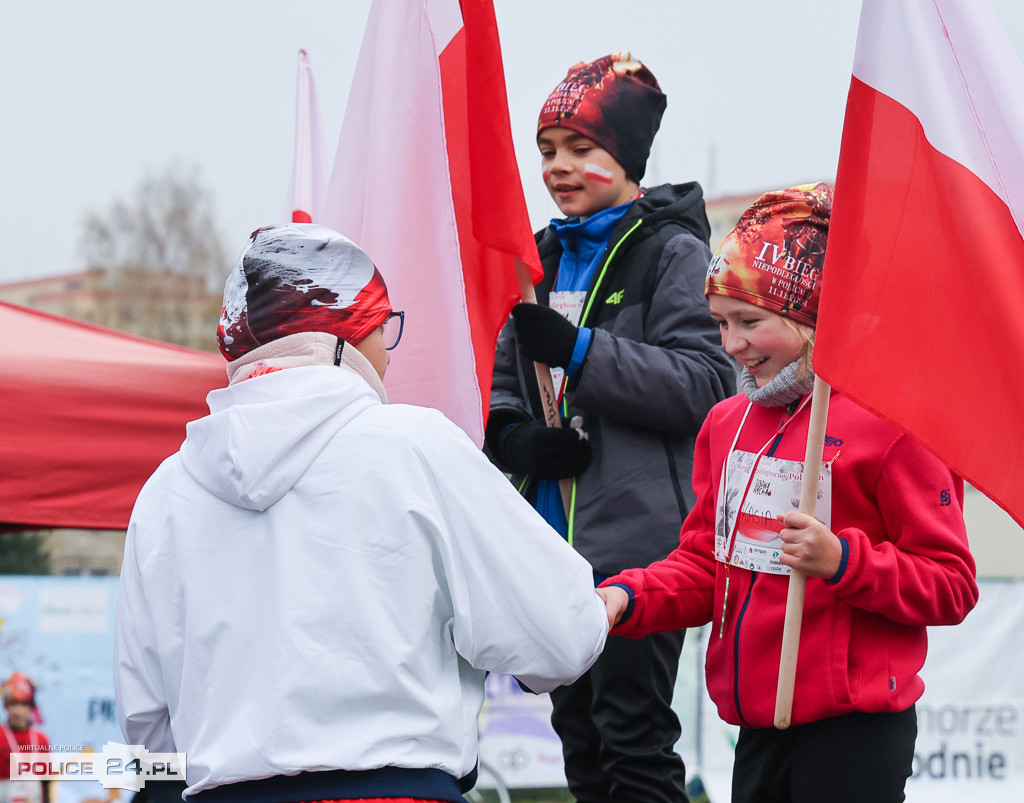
622	321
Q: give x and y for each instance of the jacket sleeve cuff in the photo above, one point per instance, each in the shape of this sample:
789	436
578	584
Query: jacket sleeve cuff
843	561
579	352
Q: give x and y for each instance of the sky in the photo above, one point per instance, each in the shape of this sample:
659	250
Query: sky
98	96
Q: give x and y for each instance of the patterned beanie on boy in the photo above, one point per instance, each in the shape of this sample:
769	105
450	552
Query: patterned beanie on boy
300	277
774	256
616	102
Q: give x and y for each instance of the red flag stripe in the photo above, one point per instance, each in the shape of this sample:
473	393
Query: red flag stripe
919	318
433	196
493	225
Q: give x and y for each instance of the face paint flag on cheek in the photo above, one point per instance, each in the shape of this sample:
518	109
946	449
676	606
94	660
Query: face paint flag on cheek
597	173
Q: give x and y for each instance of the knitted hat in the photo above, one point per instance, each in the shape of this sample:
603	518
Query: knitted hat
300	277
774	255
616	102
18	689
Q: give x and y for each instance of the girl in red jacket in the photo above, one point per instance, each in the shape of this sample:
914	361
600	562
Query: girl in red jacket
886	554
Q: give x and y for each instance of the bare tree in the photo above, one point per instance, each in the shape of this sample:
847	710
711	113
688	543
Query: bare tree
154	261
24	553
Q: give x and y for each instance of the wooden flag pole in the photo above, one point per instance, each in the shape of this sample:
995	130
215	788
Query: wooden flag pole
548	399
797	580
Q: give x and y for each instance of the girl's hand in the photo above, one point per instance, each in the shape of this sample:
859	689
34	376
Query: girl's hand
809	546
615	601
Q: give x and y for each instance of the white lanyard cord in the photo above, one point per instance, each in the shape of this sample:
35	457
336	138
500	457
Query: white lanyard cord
730	542
13	743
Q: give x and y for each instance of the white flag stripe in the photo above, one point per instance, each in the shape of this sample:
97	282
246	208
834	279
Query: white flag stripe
390	192
445	19
309	169
960	53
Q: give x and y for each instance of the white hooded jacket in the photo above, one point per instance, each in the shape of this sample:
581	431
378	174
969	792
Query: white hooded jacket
318	580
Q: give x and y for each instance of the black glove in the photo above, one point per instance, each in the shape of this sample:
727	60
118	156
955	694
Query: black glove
544	335
547	453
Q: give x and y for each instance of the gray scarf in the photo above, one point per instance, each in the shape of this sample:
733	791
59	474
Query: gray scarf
784	389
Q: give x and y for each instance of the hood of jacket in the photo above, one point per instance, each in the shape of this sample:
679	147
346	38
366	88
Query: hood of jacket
682	204
262	434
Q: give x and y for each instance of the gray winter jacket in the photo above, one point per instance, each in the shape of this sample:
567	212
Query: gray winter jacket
654	370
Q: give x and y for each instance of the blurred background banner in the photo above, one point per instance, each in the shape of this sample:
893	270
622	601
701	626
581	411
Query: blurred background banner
517	742
59	631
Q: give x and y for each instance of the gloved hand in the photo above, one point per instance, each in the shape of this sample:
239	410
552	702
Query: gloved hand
547	453
544	335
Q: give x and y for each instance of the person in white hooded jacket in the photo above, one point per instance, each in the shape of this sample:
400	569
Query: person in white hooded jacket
315	586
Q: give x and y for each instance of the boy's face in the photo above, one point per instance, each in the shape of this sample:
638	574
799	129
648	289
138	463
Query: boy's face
582	177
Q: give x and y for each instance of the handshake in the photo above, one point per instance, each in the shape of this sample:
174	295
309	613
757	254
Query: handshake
616	603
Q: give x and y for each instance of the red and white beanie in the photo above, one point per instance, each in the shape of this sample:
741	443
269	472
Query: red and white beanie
773	257
300	277
18	689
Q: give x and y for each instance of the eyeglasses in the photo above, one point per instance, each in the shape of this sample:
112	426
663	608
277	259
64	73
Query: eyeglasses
393	328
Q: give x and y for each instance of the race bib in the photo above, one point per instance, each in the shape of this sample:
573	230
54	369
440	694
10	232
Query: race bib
751	505
568	304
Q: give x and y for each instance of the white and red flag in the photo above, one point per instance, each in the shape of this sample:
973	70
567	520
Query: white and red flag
426	182
309	170
922	308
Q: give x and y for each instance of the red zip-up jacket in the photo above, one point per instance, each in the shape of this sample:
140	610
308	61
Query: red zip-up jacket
906	565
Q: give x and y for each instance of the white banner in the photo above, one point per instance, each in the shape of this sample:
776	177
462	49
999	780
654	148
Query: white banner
970	741
518	746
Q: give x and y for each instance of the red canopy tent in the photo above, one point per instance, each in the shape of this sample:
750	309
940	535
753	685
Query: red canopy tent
86	415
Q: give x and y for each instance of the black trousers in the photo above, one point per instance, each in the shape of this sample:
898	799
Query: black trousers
853	758
617	727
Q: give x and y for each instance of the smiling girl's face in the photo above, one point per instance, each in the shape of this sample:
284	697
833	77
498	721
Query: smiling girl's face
763	342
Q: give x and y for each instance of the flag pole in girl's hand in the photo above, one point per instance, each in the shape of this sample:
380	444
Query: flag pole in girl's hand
797	580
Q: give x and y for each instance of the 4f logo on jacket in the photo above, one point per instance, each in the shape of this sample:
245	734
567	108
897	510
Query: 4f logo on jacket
615	298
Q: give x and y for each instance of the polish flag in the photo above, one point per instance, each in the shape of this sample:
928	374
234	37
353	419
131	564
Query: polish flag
426	182
309	171
921	311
